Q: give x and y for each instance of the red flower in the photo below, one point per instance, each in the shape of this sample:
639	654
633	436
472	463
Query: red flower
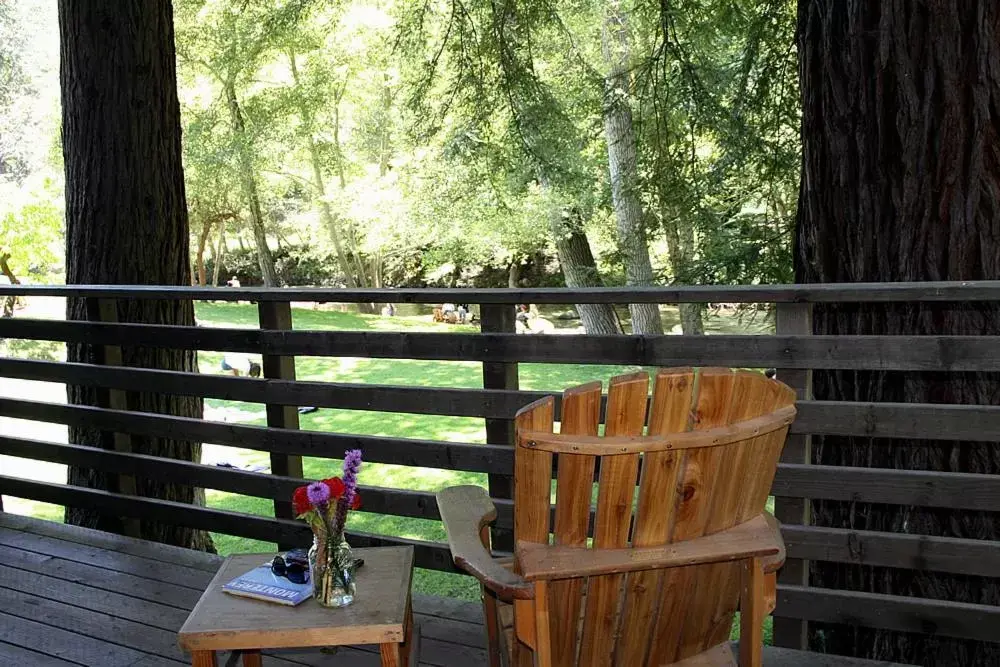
336	487
300	501
356	503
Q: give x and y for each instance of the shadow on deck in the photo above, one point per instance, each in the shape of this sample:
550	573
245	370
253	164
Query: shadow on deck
73	596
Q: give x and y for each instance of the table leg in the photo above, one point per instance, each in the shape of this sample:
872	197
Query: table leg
391	655
252	659
400	655
203	659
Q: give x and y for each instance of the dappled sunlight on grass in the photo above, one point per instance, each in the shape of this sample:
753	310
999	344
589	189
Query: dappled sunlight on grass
409	372
396	424
233	411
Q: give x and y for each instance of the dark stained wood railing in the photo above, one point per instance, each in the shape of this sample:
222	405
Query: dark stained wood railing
794	351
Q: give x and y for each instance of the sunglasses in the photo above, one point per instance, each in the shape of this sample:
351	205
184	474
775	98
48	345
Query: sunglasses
295	571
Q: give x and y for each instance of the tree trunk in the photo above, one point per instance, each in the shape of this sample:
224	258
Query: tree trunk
326	216
9	303
206	231
580	270
341	175
899	183
248	179
385	127
514	273
622	166
126	218
220	250
680	251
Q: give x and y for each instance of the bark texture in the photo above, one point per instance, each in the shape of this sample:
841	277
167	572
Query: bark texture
218	254
126	216
901	182
680	251
514	273
9	303
580	270
248	179
620	137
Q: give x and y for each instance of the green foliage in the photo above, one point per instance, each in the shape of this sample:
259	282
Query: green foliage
31	228
296	265
718	116
400	140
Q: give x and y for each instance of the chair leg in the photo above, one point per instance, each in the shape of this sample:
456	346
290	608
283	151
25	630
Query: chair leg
491	621
752	612
543	645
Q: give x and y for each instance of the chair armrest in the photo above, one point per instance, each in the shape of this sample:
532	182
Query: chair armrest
756	538
774	562
465	510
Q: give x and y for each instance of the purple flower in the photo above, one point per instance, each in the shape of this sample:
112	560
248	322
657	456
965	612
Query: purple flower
352	464
318	494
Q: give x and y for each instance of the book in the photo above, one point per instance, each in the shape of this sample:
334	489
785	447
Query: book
262	584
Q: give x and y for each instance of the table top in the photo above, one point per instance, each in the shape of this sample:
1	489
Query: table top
221	621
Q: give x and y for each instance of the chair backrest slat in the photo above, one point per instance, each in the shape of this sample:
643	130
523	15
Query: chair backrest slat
718	589
581	415
649	617
533	476
626	416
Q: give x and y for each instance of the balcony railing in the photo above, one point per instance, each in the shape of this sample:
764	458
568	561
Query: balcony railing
793	351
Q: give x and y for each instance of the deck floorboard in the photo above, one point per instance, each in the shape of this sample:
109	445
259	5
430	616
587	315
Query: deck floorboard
74	596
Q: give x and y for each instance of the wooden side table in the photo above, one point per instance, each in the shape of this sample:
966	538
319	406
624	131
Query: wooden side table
381	614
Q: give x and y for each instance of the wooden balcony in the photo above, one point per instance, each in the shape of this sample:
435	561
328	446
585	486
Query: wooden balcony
73	596
119	594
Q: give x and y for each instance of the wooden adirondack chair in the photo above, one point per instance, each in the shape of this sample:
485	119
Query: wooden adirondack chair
679	540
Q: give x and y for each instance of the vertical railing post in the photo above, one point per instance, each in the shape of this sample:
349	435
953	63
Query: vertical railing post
499	318
277	315
794	319
106	310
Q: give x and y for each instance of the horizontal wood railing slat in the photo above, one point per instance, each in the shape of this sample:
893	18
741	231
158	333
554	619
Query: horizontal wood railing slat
891	612
923	353
416	400
467	457
432	555
924	421
947	291
893	487
911	552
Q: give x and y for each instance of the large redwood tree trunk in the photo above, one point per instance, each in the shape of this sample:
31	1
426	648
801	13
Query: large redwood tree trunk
126	217
901	182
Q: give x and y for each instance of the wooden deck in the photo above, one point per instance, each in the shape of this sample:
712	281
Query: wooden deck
72	596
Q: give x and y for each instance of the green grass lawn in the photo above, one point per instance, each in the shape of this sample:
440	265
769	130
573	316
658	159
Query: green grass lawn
550	377
375	371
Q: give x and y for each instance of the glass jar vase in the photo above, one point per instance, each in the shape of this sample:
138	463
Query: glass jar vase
331	568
